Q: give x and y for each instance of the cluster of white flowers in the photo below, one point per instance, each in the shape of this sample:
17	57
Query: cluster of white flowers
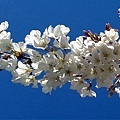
51	59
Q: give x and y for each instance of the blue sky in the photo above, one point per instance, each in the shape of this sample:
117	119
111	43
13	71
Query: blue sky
17	101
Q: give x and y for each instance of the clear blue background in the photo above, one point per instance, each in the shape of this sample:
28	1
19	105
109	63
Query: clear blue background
20	102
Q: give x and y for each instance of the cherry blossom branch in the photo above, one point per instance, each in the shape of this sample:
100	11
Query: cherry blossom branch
91	61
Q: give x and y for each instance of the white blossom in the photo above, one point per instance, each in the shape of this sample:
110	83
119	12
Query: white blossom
86	92
5	35
5	42
26	80
45	89
59	30
106	52
3	63
78	84
77	47
35	56
12	63
36	40
19	47
4	26
111	35
94	57
68	72
51	81
62	42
